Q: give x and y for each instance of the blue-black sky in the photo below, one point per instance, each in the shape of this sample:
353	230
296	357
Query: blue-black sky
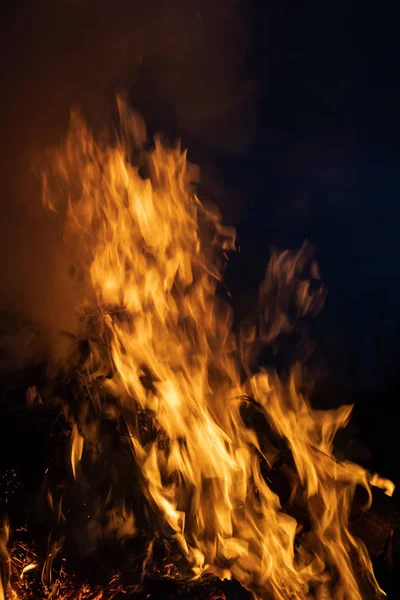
327	151
329	113
292	105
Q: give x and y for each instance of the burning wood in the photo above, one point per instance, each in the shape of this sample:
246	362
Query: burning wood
164	463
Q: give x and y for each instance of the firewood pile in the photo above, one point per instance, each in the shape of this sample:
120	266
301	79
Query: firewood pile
33	443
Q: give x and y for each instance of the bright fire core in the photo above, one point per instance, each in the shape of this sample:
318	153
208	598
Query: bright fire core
161	341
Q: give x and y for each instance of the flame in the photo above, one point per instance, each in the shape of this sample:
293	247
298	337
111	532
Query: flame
77	442
6	590
153	256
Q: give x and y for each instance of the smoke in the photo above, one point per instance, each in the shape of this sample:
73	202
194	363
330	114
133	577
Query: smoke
183	65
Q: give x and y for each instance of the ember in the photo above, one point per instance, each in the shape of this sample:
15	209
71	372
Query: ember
170	438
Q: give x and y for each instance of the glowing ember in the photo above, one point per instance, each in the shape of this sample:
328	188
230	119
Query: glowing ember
161	347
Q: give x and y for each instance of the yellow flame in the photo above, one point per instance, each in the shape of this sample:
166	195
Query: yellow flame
6	590
77	442
30	567
153	254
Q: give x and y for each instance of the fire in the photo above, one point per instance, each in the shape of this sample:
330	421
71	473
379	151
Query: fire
161	343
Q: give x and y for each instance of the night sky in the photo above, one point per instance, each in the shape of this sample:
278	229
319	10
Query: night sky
290	107
329	127
327	151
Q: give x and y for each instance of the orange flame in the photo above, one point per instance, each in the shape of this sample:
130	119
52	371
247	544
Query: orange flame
154	254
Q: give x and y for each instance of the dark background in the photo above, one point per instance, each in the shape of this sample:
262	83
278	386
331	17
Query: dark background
291	108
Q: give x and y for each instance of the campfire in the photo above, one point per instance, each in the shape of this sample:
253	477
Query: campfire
179	463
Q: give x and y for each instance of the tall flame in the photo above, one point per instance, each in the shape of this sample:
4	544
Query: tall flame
154	255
